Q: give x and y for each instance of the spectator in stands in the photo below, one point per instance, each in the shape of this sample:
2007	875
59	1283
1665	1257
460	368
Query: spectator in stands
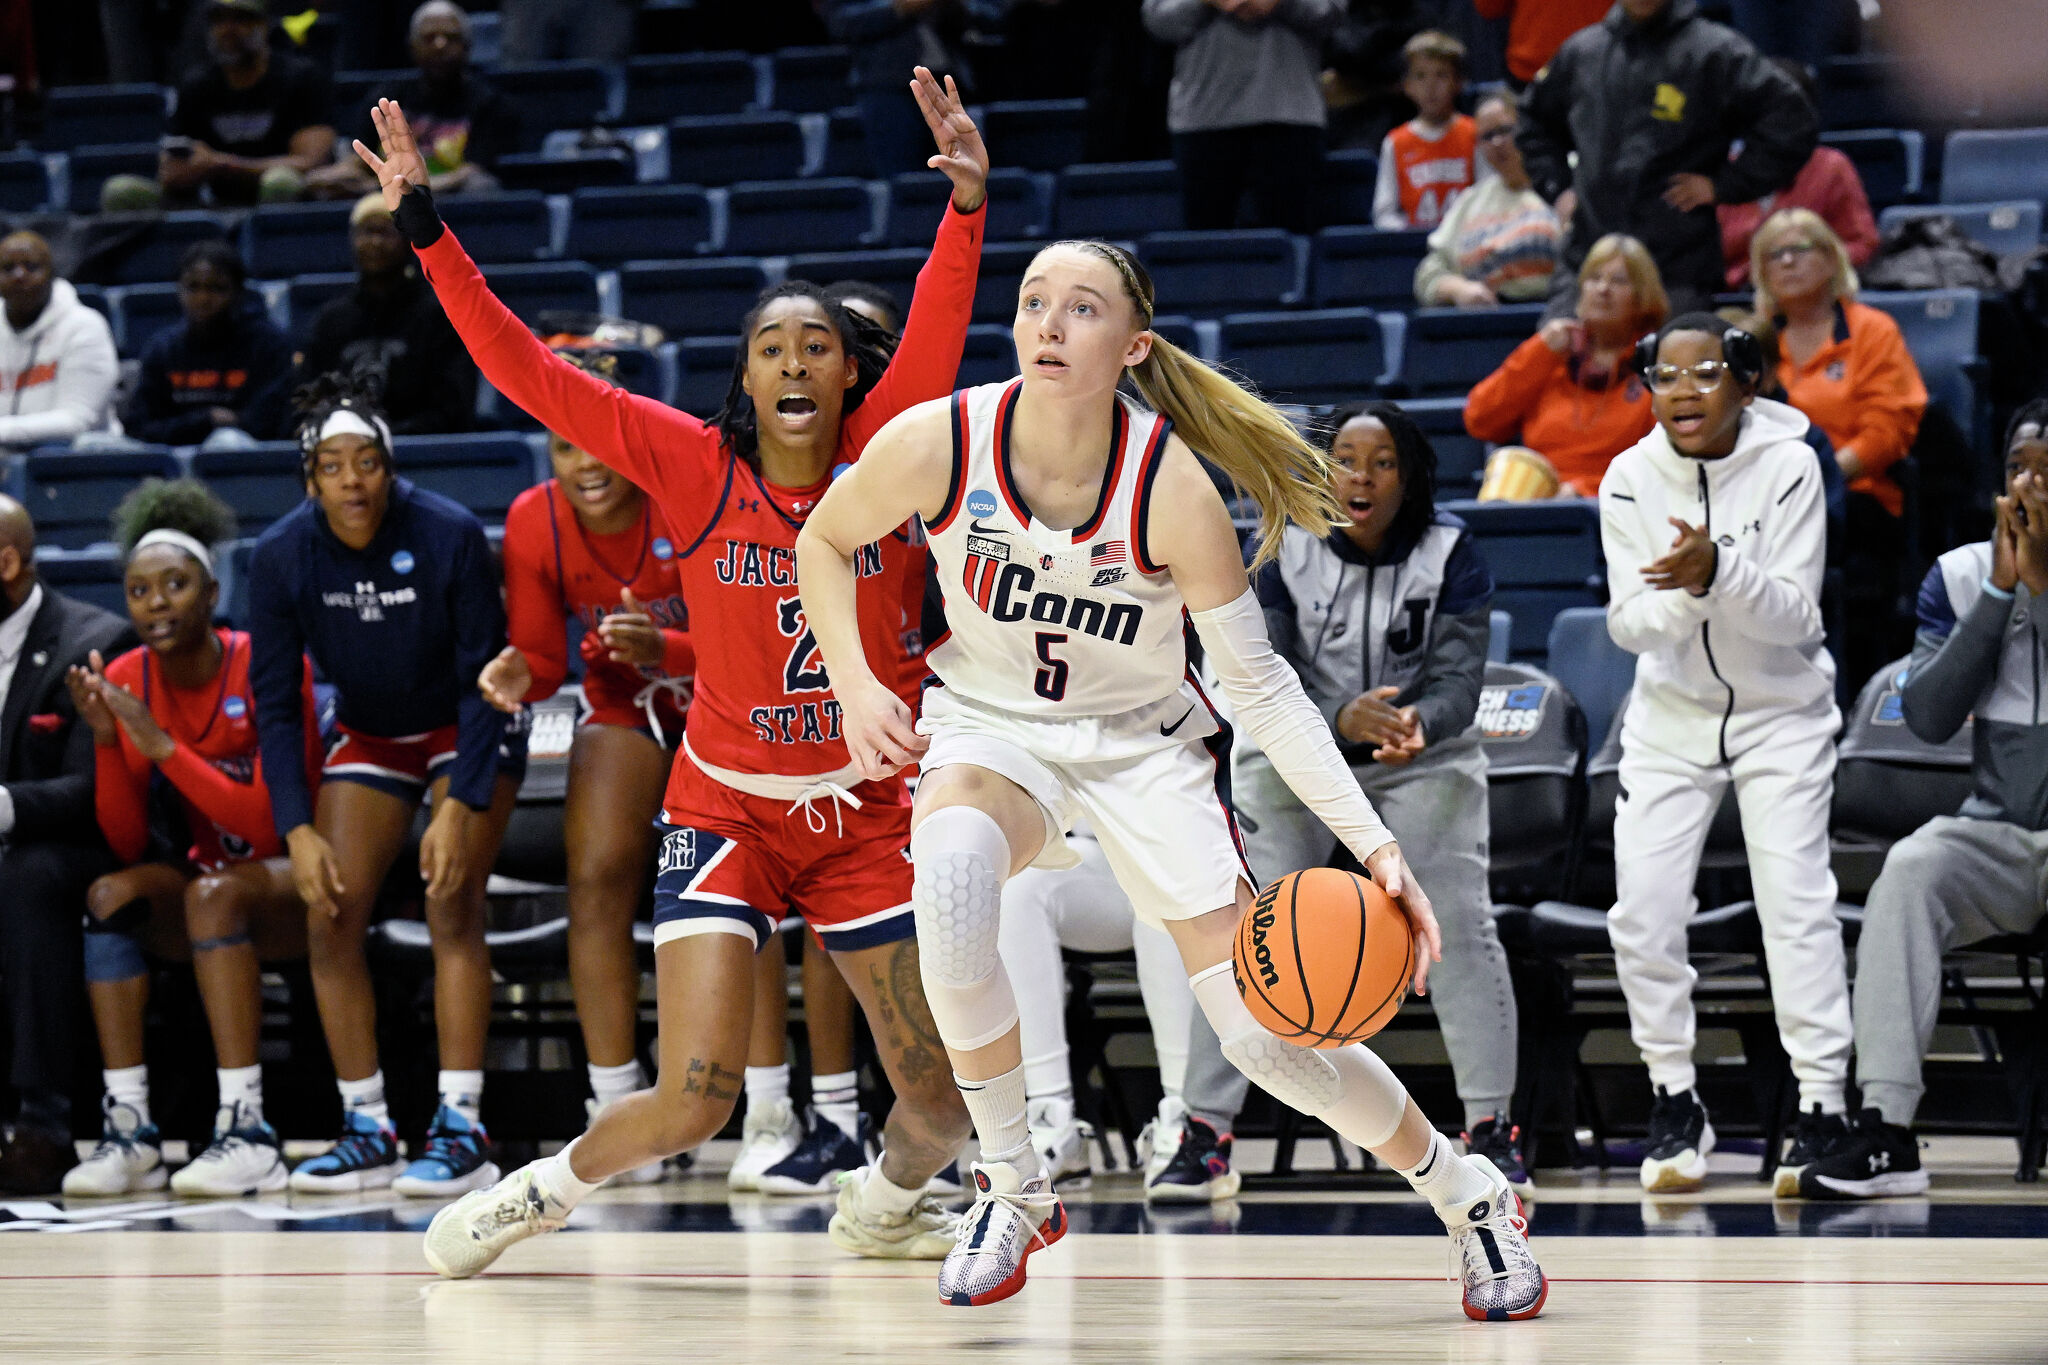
1845	365
1828	184
888	38
1498	243
392	327
871	301
57	363
1246	109
248	128
1732	685
1571	393
1429	160
576	30
220	377
50	848
1537	28
1979	873
1652	99
464	123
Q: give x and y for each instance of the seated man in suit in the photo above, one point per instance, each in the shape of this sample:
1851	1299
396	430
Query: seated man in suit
50	848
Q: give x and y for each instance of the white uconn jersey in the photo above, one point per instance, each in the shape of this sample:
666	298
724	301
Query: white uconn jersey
1043	622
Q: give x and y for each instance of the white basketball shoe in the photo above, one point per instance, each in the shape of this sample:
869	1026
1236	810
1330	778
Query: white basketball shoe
769	1133
926	1233
475	1230
1011	1217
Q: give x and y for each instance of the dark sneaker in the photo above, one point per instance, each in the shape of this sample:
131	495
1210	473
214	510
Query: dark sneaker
366	1158
1497	1142
1675	1156
1875	1159
457	1159
1816	1137
825	1154
1199	1172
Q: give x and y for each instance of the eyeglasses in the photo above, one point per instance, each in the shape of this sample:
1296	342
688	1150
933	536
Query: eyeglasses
1790	252
1705	376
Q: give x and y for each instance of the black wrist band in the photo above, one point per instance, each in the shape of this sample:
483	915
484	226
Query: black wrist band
417	217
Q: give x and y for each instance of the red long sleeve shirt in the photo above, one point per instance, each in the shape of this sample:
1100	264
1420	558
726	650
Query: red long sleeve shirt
1827	184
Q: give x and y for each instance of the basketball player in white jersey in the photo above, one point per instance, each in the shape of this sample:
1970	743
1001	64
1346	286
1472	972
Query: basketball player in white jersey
1071	530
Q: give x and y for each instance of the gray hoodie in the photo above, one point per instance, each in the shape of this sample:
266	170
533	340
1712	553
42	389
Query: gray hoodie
57	374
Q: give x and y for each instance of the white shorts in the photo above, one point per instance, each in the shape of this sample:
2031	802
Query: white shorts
1160	807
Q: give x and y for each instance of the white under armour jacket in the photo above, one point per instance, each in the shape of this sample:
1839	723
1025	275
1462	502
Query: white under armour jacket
57	375
1721	672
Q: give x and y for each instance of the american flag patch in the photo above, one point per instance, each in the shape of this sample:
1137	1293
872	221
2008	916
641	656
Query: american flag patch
1107	552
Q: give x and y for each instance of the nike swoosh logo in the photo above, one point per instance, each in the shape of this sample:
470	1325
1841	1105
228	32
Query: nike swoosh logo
1169	729
980	530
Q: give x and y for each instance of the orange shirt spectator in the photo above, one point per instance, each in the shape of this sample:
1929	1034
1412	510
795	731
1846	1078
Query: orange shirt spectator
1537	28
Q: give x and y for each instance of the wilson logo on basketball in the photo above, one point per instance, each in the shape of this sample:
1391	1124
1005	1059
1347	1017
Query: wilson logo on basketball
1262	952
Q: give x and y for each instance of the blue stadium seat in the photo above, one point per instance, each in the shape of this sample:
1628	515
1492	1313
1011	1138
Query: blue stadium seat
1460	456
896	271
482	472
261	484
812	80
565	173
1595	670
282	240
24	184
545	287
1344	191
638	223
1500	633
1222	272
91	166
156	256
513	226
705	373
1940	327
719	149
353	91
1177	328
306	295
1983	165
231	566
1015	206
97	575
80	115
1117	199
1040	135
2004	228
1002	270
1317	357
553	95
691	83
1545	558
71	494
775	217
95	298
990	357
691	298
846	145
140	312
1448	350
1888	161
1364	267
1860	92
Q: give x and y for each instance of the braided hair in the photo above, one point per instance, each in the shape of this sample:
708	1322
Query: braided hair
359	391
869	345
1415	456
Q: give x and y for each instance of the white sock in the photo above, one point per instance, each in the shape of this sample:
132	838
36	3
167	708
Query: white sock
560	1178
463	1091
366	1096
609	1083
1048	1075
884	1195
1444	1179
242	1085
836	1097
766	1085
997	1107
129	1085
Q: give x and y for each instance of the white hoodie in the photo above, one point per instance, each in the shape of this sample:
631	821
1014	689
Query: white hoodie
57	375
1721	673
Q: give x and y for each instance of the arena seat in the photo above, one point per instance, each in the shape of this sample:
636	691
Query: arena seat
1460	456
510	226
306	295
551	95
773	217
353	91
1889	781
81	115
990	357
1002	270
638	222
1500	629
94	575
895	271
567	172
1117	199
718	149
2004	228
282	240
140	312
91	167
261	484
1940	327
691	298
638	370
1448	350
1179	329
1328	356
1210	273
1981	165
704	373
1595	670
1858	91
72	493
1888	161
1344	189
1545	557
1040	135
1364	267
545	287
24	183
811	80
690	83
1016	207
846	145
95	298
532	849
1534	736
483	472
155	256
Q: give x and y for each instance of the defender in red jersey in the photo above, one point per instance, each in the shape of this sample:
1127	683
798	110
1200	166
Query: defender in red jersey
181	707
763	812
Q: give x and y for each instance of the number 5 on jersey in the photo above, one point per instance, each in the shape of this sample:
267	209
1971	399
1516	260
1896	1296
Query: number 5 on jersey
1051	681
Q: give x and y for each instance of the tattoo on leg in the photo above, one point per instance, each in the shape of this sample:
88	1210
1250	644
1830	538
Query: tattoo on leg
899	997
906	989
711	1080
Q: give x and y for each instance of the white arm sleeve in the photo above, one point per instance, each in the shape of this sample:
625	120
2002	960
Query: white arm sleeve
1269	702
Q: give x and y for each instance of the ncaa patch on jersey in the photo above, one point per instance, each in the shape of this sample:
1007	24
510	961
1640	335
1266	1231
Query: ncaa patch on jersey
662	548
981	503
401	561
987	548
1514	712
234	708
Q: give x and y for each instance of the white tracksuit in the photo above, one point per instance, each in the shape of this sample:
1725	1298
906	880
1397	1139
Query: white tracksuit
1733	685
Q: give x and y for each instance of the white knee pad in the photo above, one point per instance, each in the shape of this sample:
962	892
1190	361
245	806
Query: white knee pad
960	858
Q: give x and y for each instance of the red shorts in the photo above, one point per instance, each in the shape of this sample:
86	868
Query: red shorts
660	718
731	863
404	766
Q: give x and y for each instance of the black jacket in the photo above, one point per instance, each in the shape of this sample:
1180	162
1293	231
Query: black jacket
406	340
245	366
1641	103
46	758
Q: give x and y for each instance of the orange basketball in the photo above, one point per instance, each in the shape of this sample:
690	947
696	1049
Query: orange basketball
1324	958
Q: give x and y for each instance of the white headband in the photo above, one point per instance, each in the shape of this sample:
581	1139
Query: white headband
166	536
349	422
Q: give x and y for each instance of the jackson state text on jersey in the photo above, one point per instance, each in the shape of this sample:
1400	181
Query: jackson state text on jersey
749	564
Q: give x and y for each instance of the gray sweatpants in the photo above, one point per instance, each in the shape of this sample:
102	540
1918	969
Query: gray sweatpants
1949	883
1437	811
